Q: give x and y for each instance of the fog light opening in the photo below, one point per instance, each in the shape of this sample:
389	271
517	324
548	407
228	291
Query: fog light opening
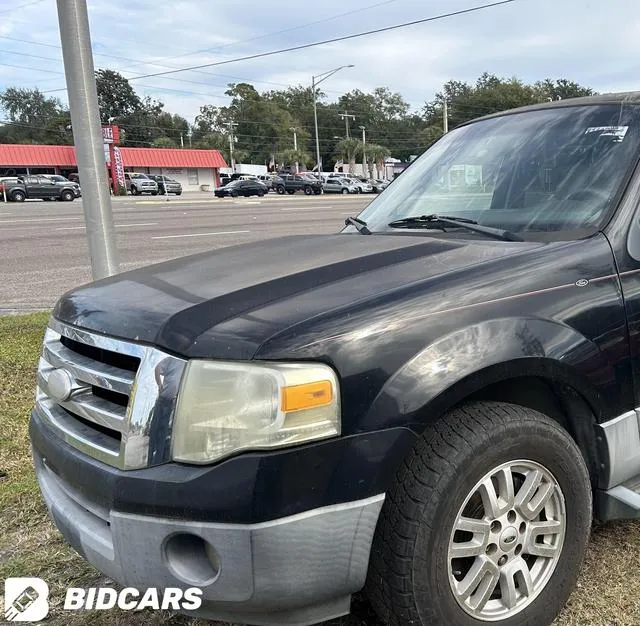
192	560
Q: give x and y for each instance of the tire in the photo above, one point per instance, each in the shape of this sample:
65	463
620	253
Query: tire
154	193
411	578
345	192
134	191
67	196
308	191
280	189
18	196
260	194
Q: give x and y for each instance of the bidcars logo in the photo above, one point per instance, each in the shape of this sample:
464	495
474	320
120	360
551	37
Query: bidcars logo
130	599
25	599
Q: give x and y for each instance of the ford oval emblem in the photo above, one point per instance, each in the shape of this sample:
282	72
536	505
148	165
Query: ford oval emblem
60	384
583	282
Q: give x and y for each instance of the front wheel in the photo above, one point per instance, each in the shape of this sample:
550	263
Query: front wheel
134	191
18	196
308	191
68	196
345	192
280	190
487	521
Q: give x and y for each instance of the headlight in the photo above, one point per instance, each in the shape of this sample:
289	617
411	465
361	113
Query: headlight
227	407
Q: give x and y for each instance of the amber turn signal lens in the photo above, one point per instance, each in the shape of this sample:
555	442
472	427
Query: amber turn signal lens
306	396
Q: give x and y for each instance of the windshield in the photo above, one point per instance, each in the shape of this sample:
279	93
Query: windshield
541	171
139	176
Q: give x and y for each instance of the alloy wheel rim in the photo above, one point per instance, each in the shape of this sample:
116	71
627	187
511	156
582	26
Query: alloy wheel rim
506	541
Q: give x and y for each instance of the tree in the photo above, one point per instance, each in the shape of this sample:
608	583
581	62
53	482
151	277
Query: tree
164	142
116	97
561	89
34	118
347	149
376	154
290	157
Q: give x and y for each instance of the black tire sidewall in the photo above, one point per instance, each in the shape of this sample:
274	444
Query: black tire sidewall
526	441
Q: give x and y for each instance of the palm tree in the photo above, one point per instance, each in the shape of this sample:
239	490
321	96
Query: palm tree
376	154
291	157
347	149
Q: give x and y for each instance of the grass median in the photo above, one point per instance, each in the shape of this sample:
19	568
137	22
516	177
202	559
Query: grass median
608	592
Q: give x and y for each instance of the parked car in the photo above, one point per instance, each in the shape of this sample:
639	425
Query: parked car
432	404
37	187
242	188
267	180
64	182
137	183
167	185
340	185
378	185
362	187
74	177
290	183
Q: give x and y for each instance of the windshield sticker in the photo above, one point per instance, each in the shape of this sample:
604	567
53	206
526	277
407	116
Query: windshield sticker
609	131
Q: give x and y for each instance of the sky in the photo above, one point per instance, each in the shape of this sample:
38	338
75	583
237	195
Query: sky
594	42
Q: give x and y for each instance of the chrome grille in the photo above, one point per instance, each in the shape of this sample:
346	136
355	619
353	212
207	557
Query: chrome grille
111	399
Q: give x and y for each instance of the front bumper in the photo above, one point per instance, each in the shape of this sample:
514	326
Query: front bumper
299	568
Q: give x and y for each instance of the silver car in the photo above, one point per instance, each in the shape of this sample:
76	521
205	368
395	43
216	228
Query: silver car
340	185
140	183
362	186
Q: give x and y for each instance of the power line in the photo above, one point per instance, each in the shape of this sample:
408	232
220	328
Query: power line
327	41
21	6
279	32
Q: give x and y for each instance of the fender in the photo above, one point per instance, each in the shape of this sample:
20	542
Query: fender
467	360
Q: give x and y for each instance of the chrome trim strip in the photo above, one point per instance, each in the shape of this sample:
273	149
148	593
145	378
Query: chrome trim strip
622	435
99	341
84	368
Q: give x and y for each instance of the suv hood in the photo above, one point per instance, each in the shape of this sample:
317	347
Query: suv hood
226	303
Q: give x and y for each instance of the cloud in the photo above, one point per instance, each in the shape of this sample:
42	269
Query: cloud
595	43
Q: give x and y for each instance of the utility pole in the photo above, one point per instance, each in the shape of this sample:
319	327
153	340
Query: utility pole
295	147
345	116
189	135
364	151
445	113
314	84
87	134
232	140
181	141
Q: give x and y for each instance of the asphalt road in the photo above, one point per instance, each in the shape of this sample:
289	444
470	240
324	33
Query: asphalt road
43	247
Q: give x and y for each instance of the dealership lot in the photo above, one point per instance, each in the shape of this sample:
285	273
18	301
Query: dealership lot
44	250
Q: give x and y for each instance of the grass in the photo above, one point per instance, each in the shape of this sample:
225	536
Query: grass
608	592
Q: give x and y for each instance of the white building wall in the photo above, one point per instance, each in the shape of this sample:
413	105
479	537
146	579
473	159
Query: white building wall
191	179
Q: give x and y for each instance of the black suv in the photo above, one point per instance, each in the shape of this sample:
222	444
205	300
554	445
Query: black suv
290	183
430	405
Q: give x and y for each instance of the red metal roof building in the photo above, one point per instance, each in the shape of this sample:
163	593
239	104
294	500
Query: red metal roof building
193	168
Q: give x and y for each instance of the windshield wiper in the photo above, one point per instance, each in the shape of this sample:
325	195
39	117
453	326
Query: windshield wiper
360	225
460	222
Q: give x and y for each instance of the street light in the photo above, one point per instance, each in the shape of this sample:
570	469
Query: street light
295	146
364	152
314	84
